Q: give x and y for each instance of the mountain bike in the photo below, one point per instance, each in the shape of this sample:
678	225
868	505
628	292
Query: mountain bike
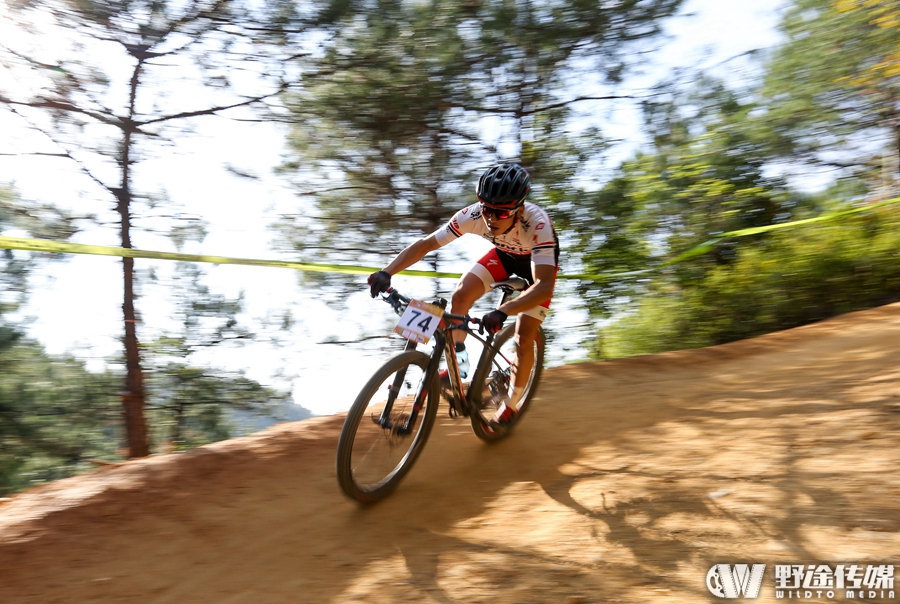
389	423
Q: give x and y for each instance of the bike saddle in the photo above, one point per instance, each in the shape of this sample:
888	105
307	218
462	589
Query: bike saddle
515	283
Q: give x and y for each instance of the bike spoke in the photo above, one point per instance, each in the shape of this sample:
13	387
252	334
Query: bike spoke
385	439
495	387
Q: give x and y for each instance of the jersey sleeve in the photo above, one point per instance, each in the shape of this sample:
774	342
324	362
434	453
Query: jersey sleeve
545	245
461	223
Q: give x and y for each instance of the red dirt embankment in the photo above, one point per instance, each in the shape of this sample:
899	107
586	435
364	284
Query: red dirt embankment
626	482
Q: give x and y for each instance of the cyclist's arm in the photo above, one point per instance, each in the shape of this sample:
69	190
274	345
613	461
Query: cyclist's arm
544	280
412	254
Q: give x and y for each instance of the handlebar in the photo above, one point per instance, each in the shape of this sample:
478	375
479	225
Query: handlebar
399	302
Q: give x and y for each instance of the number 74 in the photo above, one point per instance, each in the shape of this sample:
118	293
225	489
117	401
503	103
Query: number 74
424	324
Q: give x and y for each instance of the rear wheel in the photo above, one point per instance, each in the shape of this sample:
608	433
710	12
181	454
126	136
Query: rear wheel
377	449
490	384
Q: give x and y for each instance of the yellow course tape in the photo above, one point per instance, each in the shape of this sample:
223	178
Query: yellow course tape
59	247
707	246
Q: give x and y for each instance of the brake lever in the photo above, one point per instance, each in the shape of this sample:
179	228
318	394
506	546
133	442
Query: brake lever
393	297
476	321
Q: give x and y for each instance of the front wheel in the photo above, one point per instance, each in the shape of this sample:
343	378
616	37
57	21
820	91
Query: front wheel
491	384
377	447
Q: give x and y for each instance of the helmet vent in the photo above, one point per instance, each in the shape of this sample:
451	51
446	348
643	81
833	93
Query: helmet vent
504	184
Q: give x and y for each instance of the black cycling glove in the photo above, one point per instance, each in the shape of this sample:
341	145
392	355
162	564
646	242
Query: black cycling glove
379	282
493	321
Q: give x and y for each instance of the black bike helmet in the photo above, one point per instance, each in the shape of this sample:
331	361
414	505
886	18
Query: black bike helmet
504	184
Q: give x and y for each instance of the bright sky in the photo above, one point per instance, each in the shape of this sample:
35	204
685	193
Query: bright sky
75	303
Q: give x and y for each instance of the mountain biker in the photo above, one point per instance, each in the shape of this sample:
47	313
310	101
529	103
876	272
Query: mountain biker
525	244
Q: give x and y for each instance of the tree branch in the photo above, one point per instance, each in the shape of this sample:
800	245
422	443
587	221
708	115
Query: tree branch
44	103
520	112
333	189
35	153
352	341
65	152
213	110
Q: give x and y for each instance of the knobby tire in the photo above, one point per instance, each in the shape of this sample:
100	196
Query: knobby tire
359	427
480	424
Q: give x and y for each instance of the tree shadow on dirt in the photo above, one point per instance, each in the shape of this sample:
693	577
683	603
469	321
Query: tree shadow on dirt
627	480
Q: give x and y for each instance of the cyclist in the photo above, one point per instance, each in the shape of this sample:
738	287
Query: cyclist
525	244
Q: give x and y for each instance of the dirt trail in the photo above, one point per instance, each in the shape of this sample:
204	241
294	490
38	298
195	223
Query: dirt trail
626	482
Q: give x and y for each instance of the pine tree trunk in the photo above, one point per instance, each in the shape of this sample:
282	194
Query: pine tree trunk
133	398
133	395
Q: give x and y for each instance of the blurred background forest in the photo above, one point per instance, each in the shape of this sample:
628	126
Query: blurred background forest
390	110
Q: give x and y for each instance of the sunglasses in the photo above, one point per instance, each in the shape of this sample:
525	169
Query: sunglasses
497	213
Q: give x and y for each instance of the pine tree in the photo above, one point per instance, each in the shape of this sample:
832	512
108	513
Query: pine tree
103	94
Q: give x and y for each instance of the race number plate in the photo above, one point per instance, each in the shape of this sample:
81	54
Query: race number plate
419	321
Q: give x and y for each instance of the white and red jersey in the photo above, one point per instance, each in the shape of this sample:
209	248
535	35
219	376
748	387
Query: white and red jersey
532	236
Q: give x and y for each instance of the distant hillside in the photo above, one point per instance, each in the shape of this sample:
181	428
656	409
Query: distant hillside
246	422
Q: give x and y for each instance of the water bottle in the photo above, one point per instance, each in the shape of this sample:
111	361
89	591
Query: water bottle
462	359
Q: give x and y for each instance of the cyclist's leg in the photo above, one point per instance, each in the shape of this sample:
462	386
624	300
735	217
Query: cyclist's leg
467	292
475	284
527	326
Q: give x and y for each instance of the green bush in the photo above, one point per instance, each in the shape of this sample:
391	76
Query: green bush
791	278
56	418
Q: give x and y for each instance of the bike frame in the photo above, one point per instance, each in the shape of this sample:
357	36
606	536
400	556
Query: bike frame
443	346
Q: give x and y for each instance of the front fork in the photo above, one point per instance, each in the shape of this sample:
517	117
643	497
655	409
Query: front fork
421	393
